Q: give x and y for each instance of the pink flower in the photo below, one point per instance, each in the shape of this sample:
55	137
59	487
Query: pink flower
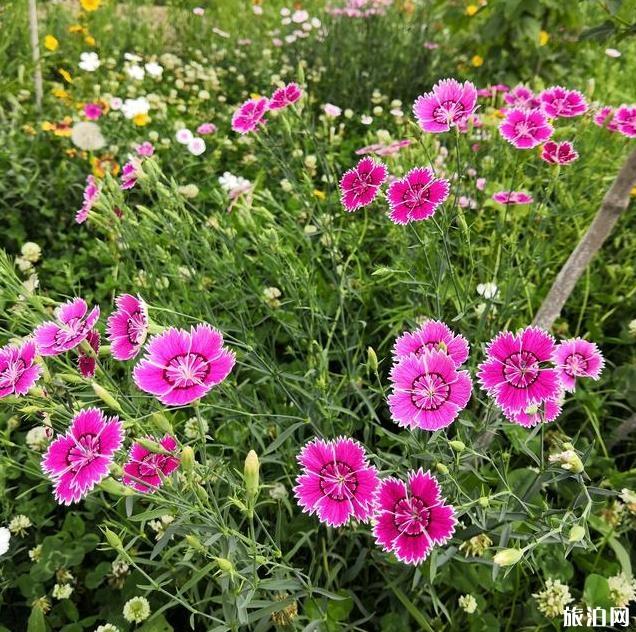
129	174
359	186
250	115
433	335
543	412
428	391
522	98
516	372
92	111
91	194
180	366
127	327
577	358
559	153
146	149
625	119
448	104
206	128
145	470
480	183
337	483
525	128
416	196
80	459
512	197
558	101
18	370
70	327
86	362
332	111
412	517
198	11
605	118
285	96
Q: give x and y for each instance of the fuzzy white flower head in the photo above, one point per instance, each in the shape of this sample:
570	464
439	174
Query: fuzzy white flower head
154	69
184	136
116	103
192	429
5	537
89	61
38	438
133	107
234	185
87	136
136	610
612	52
468	604
35	554
365	119
31	251
132	57
108	627
622	589
196	146
134	71
19	525
553	599
332	111
631	328
62	591
488	290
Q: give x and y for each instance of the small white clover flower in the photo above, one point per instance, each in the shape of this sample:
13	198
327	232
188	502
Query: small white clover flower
19	525
87	136
136	610
192	430
31	251
5	537
622	589
468	604
108	627
553	599
89	62
62	591
35	554
488	290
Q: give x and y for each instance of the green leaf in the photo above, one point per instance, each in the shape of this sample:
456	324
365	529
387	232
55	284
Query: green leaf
596	593
339	610
156	624
36	621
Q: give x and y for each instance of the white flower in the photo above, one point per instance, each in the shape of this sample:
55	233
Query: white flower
300	16
622	589
568	459
136	610
154	69
87	136
488	290
198	11
5	536
109	627
631	328
135	71
116	103
196	146
612	52
132	57
192	428
468	604
365	119
31	251
89	62
38	438
62	591
184	136
35	554
316	23
285	12
19	525
234	185
133	107
553	599
332	111
257	9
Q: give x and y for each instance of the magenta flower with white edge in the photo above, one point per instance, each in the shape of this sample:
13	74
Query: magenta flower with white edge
521	98
517	372
145	470
287	95
71	327
87	362
525	129
250	115
337	483
91	195
448	104
18	370
416	196
544	412
575	359
559	153
512	197
412	517
428	391
561	102
433	335
81	458
360	185
127	327
625	120
181	366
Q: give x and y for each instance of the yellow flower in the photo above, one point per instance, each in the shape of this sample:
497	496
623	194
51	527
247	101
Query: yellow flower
60	93
50	42
90	40
90	5
544	37
321	195
47	126
29	129
76	28
633	192
66	74
141	119
477	61
471	9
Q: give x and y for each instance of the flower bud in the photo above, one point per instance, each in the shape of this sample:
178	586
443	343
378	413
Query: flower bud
372	360
152	446
106	397
202	495
187	459
458	446
250	475
441	468
161	422
225	565
195	543
507	557
113	539
484	501
577	533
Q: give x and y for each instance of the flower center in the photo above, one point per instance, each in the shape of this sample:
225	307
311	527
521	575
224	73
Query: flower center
429	391
151	464
85	450
70	331
448	112
136	327
186	370
338	481
575	364
411	516
521	369
416	195
12	372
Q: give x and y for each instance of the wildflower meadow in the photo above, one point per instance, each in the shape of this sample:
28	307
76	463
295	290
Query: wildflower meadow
317	315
